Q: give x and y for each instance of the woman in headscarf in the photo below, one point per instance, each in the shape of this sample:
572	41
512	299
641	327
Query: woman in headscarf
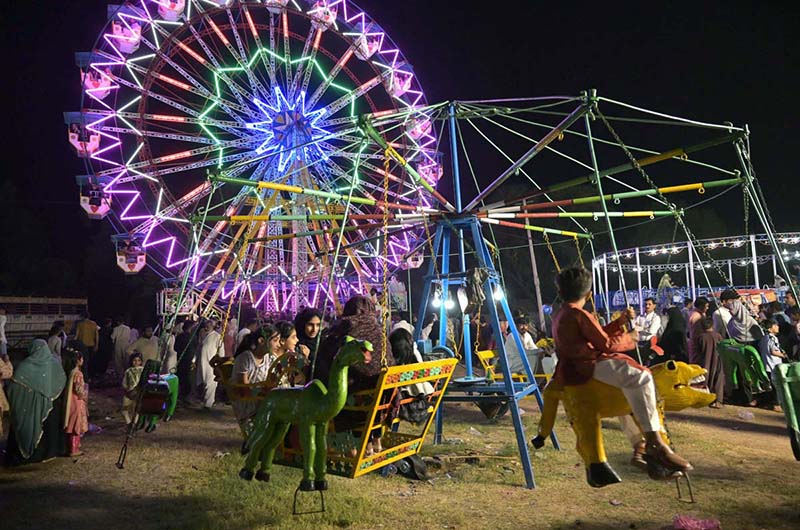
358	321
37	412
308	324
674	338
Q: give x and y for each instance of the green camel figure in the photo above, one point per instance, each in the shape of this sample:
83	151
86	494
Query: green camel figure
311	407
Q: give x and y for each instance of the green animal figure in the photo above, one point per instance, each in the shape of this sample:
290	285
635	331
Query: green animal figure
311	407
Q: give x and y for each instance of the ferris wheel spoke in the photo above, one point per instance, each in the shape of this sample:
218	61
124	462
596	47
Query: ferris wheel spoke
346	99
178	106
269	62
220	73
154	134
199	87
328	79
303	63
287	51
256	83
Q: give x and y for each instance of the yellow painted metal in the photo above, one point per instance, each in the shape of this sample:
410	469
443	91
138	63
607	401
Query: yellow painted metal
396	445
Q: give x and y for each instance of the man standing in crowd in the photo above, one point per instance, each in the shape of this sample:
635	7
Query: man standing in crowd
88	332
649	324
742	327
211	347
121	336
694	325
147	345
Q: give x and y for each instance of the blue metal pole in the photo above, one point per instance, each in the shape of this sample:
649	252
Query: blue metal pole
445	285
519	428
462	259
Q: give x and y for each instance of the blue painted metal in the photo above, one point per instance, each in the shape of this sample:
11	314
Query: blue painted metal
479	389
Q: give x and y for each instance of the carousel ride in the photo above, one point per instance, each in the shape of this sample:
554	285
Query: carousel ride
283	154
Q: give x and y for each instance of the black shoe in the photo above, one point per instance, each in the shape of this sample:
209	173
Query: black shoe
306	485
601	474
321	485
262	476
244	449
538	442
151	427
245	474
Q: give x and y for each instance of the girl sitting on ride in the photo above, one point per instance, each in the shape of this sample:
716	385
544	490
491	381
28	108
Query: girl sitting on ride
292	357
251	365
586	351
76	417
358	321
130	384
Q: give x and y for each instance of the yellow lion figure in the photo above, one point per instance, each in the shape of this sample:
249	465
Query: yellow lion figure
586	404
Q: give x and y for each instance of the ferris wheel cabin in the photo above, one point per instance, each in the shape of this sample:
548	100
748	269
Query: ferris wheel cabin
93	198
131	256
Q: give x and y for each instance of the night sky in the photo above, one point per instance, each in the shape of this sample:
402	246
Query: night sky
711	61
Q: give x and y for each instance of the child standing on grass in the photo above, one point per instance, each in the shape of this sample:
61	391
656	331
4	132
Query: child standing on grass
772	355
76	417
130	383
587	351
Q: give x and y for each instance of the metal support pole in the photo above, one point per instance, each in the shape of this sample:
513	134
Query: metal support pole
536	285
774	271
690	284
649	279
639	281
605	285
730	273
755	260
590	102
445	286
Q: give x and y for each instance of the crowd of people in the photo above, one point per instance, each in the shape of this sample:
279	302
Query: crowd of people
48	390
693	332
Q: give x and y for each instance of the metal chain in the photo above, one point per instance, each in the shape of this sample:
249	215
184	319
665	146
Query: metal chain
670	205
552	253
583	266
385	311
746	209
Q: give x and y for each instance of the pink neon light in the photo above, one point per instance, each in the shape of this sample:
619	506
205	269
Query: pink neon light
174	82
191	52
252	27
218	32
165	117
317	38
176	156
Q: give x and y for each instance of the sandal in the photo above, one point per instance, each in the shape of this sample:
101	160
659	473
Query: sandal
668	458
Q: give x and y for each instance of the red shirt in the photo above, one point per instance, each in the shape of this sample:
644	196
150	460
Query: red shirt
581	342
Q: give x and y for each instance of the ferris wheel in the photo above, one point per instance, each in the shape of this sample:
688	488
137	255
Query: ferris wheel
262	92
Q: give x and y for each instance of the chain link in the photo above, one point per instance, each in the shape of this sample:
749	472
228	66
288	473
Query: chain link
385	310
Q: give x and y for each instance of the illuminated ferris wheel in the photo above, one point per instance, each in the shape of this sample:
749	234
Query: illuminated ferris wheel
262	92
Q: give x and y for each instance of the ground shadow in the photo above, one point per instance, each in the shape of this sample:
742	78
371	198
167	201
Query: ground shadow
88	508
732	423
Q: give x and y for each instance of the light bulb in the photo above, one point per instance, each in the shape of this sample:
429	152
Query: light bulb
498	293
449	304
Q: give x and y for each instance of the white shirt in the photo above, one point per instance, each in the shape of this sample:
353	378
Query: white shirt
54	343
3	320
241	335
514	359
649	325
721	317
245	363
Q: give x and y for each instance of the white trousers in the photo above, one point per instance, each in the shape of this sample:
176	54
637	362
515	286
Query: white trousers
638	387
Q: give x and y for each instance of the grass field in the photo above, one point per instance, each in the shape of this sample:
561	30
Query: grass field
184	476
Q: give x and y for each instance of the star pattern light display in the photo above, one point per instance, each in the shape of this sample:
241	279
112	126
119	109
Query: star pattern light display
290	130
